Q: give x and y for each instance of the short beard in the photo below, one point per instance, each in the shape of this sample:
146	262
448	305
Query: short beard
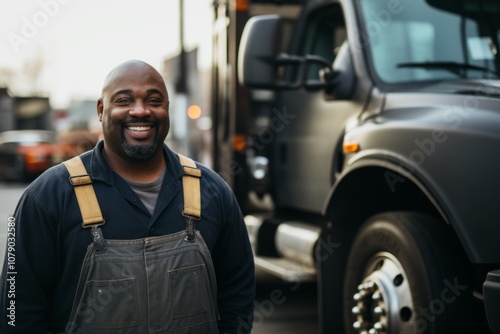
140	152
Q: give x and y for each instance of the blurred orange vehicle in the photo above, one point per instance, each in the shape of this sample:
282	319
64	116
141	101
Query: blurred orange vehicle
75	142
25	154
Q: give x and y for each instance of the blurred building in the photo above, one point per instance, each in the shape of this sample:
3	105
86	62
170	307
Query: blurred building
189	134
83	115
78	127
6	110
22	113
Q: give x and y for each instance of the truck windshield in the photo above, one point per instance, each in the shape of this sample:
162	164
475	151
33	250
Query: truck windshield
412	41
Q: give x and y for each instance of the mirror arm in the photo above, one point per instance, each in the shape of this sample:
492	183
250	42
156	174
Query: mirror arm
318	60
285	59
328	75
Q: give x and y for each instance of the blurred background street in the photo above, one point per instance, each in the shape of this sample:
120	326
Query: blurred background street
339	126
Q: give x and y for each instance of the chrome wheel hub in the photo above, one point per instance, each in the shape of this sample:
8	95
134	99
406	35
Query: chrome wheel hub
383	303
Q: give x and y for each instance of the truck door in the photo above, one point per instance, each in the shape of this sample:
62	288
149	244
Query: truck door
306	146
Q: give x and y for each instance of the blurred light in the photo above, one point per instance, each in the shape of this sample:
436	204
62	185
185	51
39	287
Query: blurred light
351	147
241	5
194	111
240	142
204	123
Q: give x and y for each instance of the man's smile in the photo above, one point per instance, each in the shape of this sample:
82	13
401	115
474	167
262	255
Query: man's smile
139	128
139	131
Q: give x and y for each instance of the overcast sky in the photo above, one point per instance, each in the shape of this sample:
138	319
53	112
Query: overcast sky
79	41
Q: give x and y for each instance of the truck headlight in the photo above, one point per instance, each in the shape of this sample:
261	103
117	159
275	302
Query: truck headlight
259	167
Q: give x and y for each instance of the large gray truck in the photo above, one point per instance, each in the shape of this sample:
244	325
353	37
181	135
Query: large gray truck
372	160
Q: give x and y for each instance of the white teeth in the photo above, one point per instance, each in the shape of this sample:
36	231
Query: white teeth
139	128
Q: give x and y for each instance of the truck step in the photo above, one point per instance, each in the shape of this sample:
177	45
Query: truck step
287	270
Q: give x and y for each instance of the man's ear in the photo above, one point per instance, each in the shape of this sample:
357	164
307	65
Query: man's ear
100	108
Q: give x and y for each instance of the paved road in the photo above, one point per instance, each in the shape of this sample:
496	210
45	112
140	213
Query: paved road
284	308
9	195
280	308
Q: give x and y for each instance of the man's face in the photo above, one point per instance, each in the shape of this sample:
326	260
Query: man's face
134	112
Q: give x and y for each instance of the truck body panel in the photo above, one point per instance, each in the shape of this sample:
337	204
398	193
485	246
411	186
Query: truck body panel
421	139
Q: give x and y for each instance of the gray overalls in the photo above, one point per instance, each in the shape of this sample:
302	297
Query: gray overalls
163	284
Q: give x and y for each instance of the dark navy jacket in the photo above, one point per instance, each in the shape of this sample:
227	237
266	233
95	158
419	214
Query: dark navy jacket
50	242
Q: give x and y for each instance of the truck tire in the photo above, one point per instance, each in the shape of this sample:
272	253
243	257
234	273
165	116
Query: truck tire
406	274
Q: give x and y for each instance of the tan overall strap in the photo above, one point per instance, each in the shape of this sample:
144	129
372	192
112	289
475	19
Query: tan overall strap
191	188
84	191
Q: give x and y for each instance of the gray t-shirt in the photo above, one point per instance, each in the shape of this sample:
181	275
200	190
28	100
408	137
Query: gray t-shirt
147	192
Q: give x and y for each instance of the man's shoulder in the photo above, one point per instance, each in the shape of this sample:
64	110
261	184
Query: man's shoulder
210	179
210	175
55	178
53	174
214	184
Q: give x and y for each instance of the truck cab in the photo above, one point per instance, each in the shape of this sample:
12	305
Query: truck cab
378	153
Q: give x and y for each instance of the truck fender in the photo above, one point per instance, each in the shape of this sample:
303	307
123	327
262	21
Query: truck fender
370	186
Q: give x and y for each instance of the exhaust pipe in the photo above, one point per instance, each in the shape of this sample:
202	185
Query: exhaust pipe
296	241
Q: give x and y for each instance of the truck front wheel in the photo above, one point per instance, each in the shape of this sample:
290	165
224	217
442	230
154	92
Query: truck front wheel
406	274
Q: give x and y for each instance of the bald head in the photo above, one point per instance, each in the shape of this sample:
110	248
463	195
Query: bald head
127	69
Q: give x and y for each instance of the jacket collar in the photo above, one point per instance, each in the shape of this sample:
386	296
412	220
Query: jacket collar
100	169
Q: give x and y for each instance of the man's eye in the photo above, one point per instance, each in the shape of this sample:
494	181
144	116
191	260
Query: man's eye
155	102
123	100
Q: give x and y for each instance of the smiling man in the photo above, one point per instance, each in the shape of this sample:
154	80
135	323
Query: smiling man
134	110
167	250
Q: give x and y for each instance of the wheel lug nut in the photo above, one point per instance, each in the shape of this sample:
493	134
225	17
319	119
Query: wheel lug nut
369	285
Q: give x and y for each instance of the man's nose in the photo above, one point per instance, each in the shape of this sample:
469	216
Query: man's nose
139	109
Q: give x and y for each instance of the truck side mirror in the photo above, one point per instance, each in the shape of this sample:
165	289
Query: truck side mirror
259	49
260	62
